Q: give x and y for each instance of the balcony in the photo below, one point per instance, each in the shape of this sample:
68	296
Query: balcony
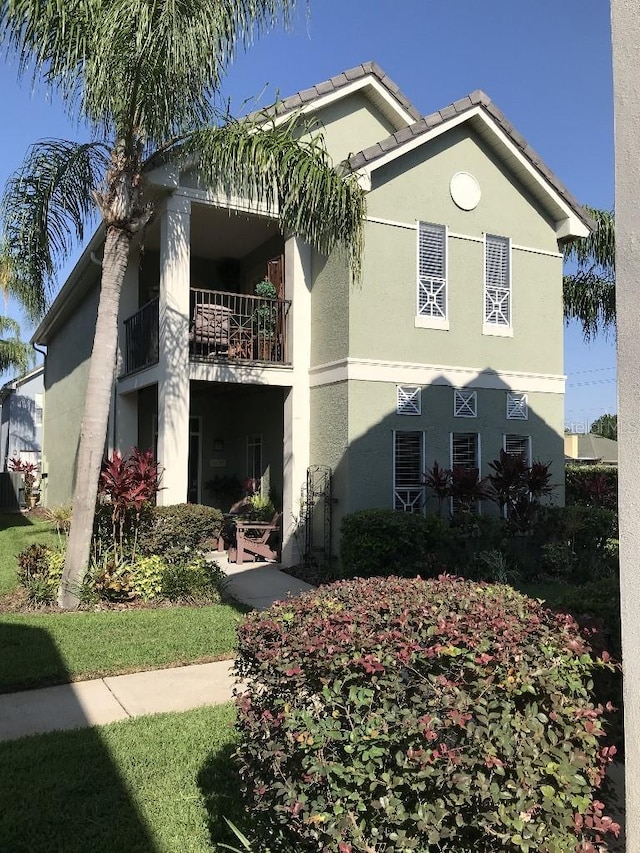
223	326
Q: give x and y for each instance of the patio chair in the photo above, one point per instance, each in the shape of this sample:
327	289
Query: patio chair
210	328
256	540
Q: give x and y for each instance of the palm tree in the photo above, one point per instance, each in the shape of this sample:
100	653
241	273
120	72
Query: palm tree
590	292
143	76
14	353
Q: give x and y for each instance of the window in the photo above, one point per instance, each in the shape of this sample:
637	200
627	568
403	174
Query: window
465	450
408	467
497	285
517	407
408	400
38	410
432	276
518	445
465	404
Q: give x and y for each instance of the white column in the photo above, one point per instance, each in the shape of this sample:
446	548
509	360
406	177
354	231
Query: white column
173	365
123	417
625	19
297	401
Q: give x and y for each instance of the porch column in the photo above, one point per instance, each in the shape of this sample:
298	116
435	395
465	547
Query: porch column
297	401
625	31
173	365
123	417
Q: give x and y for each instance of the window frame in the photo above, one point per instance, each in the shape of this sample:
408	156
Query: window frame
418	503
478	465
527	438
504	330
512	404
429	321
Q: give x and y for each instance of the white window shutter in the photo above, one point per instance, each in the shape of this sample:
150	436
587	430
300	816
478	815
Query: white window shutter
408	400
432	270
465	404
497	288
517	406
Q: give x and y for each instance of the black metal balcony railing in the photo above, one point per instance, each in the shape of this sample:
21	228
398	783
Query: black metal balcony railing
237	326
141	338
222	325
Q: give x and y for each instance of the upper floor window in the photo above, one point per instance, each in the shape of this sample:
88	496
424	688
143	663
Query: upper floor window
432	309
517	406
497	286
408	400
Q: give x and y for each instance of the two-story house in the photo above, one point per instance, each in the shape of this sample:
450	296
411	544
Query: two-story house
448	349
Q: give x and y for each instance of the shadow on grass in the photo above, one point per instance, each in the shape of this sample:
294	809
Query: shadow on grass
14	519
60	792
219	782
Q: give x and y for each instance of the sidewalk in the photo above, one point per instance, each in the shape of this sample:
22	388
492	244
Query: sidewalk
107	700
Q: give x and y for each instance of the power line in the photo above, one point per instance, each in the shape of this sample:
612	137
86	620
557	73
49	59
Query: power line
594	370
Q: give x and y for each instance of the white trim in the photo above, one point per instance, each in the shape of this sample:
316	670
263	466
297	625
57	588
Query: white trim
238	373
423	322
410	373
567	224
412	395
225	202
455	235
404	117
493	329
411	226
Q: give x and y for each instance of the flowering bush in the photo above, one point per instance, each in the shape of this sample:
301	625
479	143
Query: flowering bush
390	715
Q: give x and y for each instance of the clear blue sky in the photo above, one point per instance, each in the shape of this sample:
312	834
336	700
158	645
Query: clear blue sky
545	63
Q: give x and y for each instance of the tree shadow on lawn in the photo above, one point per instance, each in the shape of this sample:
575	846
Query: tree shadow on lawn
219	782
60	792
14	519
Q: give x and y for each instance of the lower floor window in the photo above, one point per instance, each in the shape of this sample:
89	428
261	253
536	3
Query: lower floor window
408	468
465	457
518	445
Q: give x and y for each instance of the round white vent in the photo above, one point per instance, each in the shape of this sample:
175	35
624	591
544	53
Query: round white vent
465	190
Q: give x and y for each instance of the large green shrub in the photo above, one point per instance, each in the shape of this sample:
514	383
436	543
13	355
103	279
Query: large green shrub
577	543
384	542
592	485
404	715
175	532
193	581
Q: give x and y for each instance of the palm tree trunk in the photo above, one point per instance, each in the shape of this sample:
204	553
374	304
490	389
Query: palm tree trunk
96	416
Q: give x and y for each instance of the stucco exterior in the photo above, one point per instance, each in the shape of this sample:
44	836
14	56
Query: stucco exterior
328	394
21	413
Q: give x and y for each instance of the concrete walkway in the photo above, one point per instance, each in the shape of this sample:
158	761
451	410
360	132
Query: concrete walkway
107	700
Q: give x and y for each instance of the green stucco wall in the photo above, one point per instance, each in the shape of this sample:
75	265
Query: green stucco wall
65	378
330	305
328	445
372	420
383	309
350	125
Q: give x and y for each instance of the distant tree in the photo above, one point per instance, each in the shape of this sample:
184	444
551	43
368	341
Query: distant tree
14	353
606	426
590	292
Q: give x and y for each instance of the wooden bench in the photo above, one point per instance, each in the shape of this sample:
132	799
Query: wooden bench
256	540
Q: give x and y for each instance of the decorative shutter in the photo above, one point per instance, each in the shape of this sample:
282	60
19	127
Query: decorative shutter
465	404
408	467
517	407
518	445
464	450
432	275
497	291
408	400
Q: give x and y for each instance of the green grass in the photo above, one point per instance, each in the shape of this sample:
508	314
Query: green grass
157	784
17	532
52	648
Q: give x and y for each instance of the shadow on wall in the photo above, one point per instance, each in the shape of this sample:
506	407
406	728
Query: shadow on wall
363	472
58	791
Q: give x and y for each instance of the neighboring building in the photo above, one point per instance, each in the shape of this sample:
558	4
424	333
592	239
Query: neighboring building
21	417
590	449
449	349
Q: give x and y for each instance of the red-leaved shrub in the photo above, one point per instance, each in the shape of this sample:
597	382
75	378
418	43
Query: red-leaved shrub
390	715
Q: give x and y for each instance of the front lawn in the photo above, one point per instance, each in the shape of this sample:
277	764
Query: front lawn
17	532
38	649
159	784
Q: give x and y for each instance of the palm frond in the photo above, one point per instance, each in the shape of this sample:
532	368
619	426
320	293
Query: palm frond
146	68
46	206
14	353
294	176
589	293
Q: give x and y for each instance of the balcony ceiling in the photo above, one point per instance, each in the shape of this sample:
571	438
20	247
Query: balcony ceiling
219	233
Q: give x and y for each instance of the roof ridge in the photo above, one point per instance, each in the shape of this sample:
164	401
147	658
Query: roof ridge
477	98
